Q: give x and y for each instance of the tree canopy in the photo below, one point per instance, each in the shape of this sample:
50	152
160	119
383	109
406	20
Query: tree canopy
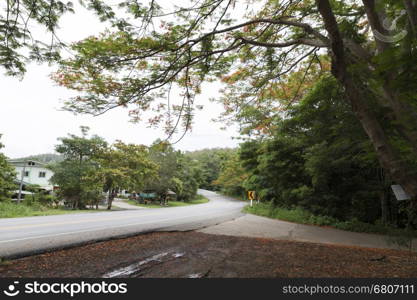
92	169
124	167
75	174
176	172
29	30
254	50
210	163
18	41
318	159
267	54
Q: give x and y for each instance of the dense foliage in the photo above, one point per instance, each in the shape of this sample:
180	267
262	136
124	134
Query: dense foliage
73	175
176	172
232	176
123	167
318	159
255	51
91	169
209	163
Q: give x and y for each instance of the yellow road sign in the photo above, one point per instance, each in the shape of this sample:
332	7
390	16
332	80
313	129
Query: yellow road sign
251	195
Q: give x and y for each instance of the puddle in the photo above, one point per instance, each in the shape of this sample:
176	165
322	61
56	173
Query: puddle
178	255
136	267
123	271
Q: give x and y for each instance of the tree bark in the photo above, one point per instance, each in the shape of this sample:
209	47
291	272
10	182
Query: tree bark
404	113
412	15
110	198
356	93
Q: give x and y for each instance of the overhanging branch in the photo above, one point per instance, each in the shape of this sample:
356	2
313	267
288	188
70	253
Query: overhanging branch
301	41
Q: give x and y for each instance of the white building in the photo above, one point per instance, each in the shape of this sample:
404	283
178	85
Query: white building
33	172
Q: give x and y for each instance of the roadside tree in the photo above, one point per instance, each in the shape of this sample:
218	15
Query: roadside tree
73	174
124	166
258	46
7	177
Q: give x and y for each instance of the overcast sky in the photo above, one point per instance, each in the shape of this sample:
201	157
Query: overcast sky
31	120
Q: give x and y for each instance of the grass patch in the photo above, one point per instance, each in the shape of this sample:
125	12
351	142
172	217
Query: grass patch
199	199
299	215
14	210
133	202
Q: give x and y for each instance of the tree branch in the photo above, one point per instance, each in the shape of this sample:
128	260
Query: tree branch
307	28
375	23
301	41
357	50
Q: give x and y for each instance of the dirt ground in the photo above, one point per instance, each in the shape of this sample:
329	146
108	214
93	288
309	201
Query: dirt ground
195	255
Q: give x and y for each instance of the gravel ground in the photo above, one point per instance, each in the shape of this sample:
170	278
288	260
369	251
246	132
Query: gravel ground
196	254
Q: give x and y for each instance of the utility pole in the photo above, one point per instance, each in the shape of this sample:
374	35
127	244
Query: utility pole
30	163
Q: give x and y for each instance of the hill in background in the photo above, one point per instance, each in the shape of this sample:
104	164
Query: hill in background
44	158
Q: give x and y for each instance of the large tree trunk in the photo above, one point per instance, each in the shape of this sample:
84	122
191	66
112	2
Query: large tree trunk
112	195
388	158
405	115
357	95
411	7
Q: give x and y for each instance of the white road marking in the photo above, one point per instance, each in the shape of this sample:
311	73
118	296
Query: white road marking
74	222
97	229
97	219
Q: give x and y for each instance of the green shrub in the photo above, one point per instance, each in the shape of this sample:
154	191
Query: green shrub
47	200
302	216
9	209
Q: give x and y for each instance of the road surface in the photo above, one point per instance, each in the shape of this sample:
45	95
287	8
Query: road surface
31	235
120	203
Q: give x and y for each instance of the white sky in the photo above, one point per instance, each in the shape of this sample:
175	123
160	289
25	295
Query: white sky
31	120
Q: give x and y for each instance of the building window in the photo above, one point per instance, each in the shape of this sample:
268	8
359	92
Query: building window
42	174
26	174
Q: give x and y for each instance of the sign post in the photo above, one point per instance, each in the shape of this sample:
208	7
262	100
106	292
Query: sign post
399	192
251	197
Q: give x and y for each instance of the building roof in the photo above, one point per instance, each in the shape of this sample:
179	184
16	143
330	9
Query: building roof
20	162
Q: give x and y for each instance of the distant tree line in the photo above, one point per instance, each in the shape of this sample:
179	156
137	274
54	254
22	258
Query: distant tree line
91	166
210	163
88	169
45	158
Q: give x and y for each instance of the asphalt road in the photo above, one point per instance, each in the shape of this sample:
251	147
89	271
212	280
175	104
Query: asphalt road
31	235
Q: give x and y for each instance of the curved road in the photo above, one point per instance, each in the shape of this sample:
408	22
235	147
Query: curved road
30	235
